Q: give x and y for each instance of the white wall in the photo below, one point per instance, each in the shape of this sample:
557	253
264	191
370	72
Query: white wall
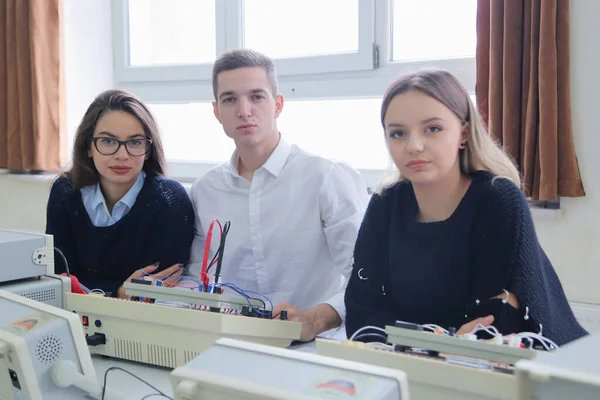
571	237
88	56
88	70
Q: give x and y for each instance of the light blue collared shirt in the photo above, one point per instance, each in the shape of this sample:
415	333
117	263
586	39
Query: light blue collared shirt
95	204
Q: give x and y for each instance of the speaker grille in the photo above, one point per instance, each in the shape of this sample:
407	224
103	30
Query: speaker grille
42	296
48	349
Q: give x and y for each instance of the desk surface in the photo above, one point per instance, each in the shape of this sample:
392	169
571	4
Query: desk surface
131	388
128	386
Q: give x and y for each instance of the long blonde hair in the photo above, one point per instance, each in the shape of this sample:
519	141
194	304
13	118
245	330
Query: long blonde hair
481	152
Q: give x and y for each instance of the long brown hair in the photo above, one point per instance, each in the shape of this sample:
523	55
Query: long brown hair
482	152
83	171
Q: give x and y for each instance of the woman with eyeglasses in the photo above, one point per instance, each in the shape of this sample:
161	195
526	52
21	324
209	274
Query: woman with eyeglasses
114	215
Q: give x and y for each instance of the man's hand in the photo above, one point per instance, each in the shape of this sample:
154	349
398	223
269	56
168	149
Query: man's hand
174	271
308	327
314	321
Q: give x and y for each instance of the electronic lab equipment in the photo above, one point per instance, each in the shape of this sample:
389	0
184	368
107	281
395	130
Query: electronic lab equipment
27	268
172	335
439	366
571	372
430	378
25	255
227	371
457	345
43	353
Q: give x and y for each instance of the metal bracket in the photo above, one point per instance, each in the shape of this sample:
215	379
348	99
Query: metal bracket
40	256
375	56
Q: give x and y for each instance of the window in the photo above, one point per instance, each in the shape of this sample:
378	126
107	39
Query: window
289	19
419	34
162	40
334	58
191	132
166	32
347	130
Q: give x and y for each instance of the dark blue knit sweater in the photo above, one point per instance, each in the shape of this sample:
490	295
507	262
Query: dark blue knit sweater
158	228
436	272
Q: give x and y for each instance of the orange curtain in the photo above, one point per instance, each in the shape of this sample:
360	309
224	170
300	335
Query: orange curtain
523	90
31	85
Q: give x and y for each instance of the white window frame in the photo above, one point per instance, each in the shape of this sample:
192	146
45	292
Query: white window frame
192	83
230	35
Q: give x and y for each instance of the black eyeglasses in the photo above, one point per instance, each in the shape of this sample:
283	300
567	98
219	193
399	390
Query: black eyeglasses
109	146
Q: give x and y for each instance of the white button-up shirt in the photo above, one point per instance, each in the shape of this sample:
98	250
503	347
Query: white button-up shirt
95	203
293	227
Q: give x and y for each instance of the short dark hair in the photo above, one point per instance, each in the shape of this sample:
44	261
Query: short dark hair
83	172
244	58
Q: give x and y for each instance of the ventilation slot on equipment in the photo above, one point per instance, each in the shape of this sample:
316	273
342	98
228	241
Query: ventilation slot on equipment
189	356
42	296
161	355
128	350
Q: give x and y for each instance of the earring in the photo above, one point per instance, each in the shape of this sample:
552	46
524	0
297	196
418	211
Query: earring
462	145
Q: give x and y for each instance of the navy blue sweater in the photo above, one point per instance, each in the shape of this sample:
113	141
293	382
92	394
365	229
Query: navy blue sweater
445	272
158	228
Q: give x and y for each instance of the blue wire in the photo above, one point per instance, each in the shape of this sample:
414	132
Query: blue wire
181	277
226	284
261	295
245	295
258	311
168	276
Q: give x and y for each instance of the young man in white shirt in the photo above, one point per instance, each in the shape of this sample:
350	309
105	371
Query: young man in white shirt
294	216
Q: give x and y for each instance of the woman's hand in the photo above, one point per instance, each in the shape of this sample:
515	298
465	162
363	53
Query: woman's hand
174	272
470	326
489	320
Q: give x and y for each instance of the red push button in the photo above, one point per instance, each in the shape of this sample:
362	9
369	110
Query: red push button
84	321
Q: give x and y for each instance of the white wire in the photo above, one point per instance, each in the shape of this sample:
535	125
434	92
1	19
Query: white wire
531	341
434	326
364	328
489	329
99	291
493	329
377	346
543	340
375	335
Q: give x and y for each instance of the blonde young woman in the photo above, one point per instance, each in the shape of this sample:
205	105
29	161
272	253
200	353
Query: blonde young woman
451	242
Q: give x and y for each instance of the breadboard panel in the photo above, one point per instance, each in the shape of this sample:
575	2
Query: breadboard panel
429	378
168	336
456	345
